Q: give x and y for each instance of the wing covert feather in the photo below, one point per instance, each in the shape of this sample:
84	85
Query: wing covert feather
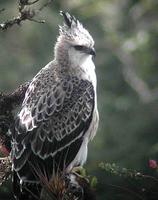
53	120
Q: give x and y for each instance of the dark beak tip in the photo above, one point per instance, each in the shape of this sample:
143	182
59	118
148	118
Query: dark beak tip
93	52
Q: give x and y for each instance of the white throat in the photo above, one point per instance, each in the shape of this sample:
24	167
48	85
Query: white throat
84	68
88	68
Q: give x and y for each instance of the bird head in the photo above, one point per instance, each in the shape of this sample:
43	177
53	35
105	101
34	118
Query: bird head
75	39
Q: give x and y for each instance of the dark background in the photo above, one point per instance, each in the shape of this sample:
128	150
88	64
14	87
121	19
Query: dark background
126	41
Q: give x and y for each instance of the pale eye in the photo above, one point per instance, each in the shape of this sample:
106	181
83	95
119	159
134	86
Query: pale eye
79	47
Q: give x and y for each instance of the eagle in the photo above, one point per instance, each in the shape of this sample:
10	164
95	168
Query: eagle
59	114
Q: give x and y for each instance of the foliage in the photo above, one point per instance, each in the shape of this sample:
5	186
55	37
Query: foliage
136	184
126	37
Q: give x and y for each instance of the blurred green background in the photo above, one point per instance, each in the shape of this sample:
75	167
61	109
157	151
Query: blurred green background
126	41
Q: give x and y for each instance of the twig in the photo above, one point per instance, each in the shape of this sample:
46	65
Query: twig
24	14
26	2
45	5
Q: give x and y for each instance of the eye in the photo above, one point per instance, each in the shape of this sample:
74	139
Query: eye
79	47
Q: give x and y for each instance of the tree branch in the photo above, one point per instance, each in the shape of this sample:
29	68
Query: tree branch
144	92
7	104
24	14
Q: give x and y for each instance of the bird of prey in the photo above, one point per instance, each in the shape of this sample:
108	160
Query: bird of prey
59	113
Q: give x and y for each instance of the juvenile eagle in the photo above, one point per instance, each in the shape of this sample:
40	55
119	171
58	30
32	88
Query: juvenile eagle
59	113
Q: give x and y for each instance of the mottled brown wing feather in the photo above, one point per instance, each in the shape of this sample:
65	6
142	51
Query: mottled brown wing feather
53	120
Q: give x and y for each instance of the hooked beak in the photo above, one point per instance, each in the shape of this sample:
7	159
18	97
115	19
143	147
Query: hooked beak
90	51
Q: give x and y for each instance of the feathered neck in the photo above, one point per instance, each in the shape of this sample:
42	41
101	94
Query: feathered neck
61	53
